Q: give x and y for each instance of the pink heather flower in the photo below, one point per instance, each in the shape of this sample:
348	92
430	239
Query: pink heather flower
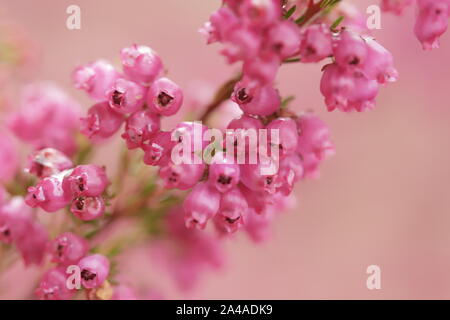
223	173
192	132
53	286
241	44
32	245
255	179
395	6
141	64
88	208
245	122
262	101
183	176
314	143
284	39
9	158
126	96
232	212
347	90
164	97
15	219
158	150
68	248
219	24
260	13
261	70
291	171
123	292
46	162
379	64
349	49
96	78
316	43
140	127
288	135
48	194
94	270
101	122
47	118
201	205
86	180
432	22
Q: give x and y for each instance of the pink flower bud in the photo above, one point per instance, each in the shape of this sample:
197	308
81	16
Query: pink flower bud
284	39
101	122
432	22
183	176
164	97
48	194
86	180
140	127
158	150
260	101
94	270
232	212
88	208
223	173
287	133
314	143
68	248
201	205
141	64
316	43
46	162
126	96
53	286
96	78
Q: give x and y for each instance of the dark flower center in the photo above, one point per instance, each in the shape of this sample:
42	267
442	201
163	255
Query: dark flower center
164	99
117	97
224	179
243	96
87	275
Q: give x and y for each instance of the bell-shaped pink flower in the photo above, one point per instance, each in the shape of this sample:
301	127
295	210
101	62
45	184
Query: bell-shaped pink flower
140	127
158	150
260	101
261	70
349	49
287	135
182	176
96	78
284	39
201	205
291	171
101	122
141	64
46	162
48	194
164	97
86	180
223	173
94	270
241	44
379	64
316	43
232	212
53	286
431	22
126	96
68	248
88	208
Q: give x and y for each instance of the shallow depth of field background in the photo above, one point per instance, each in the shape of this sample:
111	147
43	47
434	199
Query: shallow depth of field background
382	199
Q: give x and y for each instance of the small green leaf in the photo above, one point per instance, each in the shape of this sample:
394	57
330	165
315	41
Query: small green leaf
290	12
336	23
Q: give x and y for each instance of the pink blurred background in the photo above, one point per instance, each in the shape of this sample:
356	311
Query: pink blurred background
382	199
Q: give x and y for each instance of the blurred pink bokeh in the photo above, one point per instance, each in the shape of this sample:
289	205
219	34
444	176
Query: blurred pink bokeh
382	199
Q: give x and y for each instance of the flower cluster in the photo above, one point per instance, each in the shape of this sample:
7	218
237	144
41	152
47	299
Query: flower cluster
431	22
62	184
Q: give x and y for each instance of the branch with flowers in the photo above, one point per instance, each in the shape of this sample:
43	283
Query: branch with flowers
164	202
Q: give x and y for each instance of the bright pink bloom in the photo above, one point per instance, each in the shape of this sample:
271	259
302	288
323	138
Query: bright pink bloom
314	143
126	96
9	158
350	49
223	173
68	248
96	78
94	270
183	176
164	97
232	212
254	178
316	43
48	194
379	64
395	6
141	64
261	70
241	44
86	180
260	101
245	122
101	122
432	22
291	171
219	24
158	150
192	133
46	162
88	208
53	286
140	127
284	39
288	135
201	205
15	219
